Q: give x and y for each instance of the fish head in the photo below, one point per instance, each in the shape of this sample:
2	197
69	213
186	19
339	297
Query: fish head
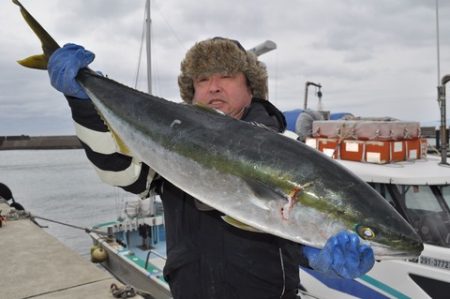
388	243
353	205
390	236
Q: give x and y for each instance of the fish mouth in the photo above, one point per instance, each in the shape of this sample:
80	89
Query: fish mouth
386	252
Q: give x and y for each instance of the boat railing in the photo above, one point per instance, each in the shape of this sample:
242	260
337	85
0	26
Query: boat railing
148	257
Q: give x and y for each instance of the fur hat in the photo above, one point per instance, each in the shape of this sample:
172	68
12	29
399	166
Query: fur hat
221	55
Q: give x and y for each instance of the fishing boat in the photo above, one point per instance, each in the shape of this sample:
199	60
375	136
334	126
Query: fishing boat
135	246
415	182
419	190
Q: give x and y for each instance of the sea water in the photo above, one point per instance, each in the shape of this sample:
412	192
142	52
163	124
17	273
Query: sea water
61	185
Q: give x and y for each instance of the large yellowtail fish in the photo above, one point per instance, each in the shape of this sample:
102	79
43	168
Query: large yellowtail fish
255	176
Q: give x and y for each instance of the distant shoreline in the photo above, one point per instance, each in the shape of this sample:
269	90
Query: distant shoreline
25	142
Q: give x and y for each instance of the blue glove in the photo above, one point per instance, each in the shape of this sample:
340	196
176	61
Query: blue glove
63	67
342	257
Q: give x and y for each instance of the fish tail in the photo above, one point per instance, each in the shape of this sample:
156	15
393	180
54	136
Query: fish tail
49	45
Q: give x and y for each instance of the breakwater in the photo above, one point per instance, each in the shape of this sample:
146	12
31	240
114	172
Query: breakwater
39	142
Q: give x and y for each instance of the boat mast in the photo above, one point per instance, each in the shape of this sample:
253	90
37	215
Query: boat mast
148	39
437	44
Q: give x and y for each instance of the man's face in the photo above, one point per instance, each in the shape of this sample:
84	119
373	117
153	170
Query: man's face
227	93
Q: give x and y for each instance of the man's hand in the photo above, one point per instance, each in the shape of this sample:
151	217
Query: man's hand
63	67
343	256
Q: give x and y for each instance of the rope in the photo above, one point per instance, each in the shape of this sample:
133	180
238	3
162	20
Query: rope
87	230
124	292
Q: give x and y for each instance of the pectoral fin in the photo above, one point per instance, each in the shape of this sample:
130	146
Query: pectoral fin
263	195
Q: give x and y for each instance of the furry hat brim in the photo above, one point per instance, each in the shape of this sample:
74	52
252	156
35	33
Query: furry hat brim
222	56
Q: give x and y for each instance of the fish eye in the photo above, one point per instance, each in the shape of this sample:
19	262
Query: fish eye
365	232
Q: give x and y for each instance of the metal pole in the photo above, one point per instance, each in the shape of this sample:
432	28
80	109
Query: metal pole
443	127
305	103
437	44
441	95
307	84
149	46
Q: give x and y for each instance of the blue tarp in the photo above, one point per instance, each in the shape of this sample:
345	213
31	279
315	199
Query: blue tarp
292	115
291	118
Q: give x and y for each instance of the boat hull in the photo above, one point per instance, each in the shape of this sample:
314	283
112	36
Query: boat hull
388	279
127	268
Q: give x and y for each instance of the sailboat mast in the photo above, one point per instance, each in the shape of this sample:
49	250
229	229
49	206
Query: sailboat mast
437	45
148	39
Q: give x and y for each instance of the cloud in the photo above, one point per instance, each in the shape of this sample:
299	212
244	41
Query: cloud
375	57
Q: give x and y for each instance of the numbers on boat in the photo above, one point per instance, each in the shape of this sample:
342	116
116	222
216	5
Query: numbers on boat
438	263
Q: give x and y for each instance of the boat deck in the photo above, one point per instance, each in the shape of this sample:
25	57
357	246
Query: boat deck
130	262
36	265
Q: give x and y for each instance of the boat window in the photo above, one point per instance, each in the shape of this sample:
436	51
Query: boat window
445	190
428	213
392	196
383	190
426	208
421	198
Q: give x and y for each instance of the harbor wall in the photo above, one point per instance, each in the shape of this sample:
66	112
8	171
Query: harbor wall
39	142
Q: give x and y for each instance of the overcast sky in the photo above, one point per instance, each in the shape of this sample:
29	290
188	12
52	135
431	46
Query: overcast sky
372	57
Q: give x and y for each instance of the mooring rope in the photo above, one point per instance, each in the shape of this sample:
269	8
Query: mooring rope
87	230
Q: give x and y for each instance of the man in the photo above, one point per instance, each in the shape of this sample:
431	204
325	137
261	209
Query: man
206	257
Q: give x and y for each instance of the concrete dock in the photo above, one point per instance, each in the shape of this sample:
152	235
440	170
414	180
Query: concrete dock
34	264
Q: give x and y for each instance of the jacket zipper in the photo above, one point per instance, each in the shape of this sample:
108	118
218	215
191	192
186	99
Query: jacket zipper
284	274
